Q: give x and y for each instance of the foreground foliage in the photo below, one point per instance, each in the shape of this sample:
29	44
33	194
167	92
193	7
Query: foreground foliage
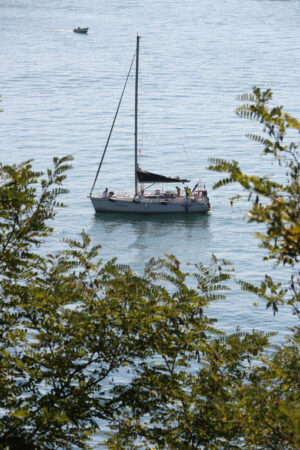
85	341
275	201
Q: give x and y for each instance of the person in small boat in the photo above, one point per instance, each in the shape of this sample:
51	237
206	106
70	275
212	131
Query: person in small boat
105	193
178	191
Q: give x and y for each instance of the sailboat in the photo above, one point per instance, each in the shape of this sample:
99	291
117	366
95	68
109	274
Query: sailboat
158	201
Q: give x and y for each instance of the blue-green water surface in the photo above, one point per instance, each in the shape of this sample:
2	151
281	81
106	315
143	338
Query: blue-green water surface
60	91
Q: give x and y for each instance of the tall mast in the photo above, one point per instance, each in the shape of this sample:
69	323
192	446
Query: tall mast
136	112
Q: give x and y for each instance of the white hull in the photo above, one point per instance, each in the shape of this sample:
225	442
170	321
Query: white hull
151	206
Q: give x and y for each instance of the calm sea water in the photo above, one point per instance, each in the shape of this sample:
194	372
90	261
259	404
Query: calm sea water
60	91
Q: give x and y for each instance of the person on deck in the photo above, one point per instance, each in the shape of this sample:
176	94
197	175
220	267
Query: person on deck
188	192
105	193
178	191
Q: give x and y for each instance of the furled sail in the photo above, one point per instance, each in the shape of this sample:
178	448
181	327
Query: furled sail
149	177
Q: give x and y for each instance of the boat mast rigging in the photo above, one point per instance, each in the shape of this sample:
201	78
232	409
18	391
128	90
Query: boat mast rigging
112	127
136	113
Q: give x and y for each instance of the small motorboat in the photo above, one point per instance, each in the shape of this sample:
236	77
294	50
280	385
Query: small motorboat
81	30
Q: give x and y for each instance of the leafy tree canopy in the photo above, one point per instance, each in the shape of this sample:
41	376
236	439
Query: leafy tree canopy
85	341
276	205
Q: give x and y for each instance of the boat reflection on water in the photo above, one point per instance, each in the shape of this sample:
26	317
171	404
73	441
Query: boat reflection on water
188	220
136	238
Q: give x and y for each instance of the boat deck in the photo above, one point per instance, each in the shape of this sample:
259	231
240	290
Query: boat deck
149	204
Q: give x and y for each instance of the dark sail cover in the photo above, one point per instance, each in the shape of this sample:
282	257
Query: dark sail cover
149	177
